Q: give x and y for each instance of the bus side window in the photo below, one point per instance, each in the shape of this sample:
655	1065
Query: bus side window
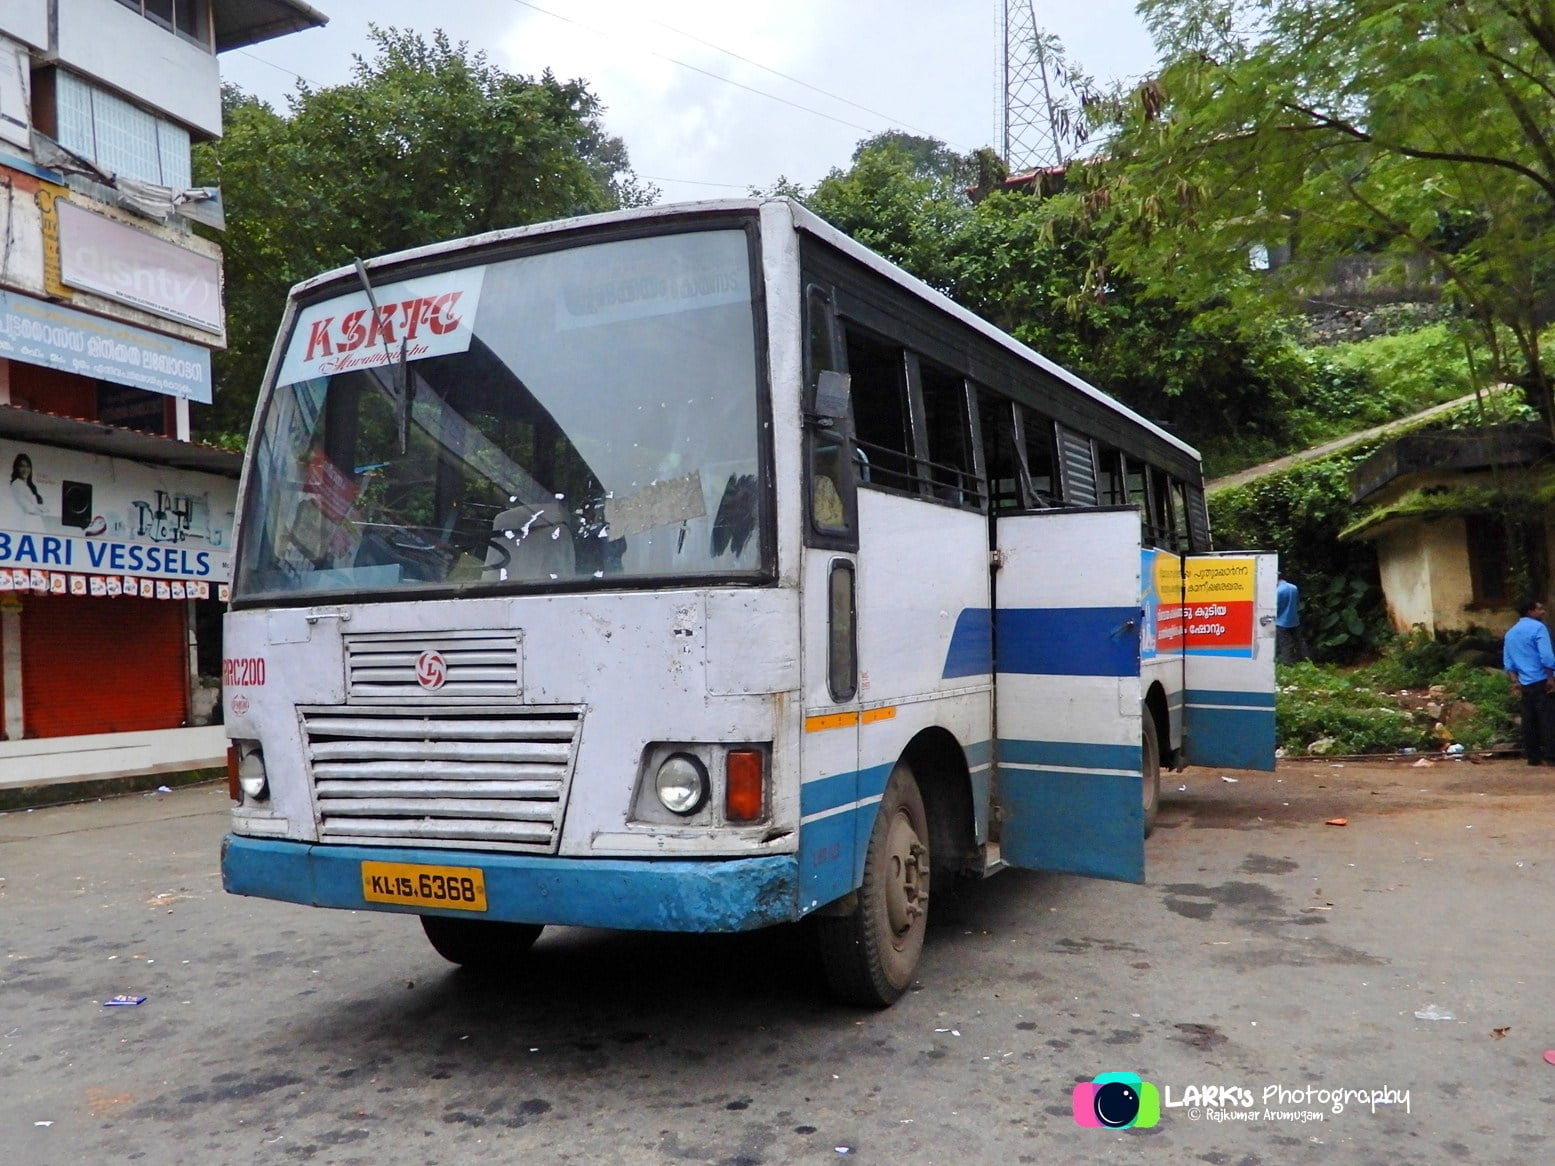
1182	532
882	419
829	476
1160	507
1151	527
842	633
1109	475
1000	455
1041	445
1198	520
947	439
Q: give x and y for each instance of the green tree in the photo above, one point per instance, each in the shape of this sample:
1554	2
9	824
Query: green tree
427	142
1037	266
1411	128
903	196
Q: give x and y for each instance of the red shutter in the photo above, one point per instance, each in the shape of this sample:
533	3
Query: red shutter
102	665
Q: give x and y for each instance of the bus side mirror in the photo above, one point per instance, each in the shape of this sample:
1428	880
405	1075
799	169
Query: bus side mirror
833	393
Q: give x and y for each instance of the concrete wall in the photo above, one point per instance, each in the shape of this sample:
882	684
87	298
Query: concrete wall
1406	579
26	20
105	41
1424	564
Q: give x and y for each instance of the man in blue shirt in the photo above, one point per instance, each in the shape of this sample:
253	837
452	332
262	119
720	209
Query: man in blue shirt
1529	660
1288	644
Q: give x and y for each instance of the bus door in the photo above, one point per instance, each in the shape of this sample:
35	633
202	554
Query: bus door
1228	624
1067	692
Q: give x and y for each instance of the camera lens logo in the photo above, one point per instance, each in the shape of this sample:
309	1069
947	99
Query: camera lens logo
1118	1101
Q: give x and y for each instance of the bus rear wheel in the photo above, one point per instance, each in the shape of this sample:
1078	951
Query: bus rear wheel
1150	770
482	945
871	954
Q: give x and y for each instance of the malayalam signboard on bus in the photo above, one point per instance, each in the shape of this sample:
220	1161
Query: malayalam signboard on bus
1200	605
1218	609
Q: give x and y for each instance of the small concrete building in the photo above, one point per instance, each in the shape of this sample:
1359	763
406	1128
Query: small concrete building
1461	522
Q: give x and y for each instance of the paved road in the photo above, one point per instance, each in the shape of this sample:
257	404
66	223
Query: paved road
1268	949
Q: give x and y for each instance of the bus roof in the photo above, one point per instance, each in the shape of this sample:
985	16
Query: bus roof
804	220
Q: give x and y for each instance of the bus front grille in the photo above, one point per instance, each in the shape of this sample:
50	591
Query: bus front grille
440	667
490	778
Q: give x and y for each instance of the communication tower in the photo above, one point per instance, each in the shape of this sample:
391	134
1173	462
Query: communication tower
1032	137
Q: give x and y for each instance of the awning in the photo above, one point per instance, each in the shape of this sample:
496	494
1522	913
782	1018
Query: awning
113	441
247	22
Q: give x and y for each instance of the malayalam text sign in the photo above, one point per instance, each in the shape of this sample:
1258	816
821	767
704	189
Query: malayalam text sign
1218	612
51	336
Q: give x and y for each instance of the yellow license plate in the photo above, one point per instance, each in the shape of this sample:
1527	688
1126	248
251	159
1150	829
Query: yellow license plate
448	888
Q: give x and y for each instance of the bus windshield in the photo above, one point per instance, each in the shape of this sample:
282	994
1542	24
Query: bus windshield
574	416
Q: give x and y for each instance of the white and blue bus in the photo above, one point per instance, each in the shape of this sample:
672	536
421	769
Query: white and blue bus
695	569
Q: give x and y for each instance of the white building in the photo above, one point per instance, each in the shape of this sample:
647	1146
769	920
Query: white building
115	529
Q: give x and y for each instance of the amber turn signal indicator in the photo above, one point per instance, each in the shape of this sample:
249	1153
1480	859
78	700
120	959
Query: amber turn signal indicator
745	794
233	790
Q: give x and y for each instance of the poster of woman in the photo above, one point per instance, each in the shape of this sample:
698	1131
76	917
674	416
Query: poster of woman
25	499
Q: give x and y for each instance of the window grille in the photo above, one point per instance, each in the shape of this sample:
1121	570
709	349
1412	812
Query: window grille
119	137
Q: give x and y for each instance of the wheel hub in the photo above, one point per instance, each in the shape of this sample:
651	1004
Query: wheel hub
907	886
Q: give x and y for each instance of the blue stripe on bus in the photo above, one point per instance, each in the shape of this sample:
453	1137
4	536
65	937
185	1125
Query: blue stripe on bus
1046	641
1236	738
826	858
729	894
1070	755
1047	827
971	644
1207	696
827	792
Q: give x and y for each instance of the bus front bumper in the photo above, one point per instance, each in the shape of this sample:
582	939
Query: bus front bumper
708	895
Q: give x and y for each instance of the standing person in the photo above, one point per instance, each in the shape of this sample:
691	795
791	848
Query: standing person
1289	647
1529	660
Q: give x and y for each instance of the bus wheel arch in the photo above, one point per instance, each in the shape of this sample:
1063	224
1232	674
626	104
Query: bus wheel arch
939	764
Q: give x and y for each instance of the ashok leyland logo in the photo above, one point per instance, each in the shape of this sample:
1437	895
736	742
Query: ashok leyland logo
1118	1101
431	669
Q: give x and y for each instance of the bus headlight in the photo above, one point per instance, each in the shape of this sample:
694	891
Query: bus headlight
251	771
681	784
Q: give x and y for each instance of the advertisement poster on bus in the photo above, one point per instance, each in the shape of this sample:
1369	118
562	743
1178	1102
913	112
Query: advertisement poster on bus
1201	605
1160	575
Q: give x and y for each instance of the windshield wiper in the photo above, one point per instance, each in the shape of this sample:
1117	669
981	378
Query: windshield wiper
401	389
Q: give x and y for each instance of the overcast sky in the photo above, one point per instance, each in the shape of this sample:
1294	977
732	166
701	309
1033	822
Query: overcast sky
677	80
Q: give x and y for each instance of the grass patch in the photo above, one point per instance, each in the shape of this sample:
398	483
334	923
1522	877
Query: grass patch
1421	694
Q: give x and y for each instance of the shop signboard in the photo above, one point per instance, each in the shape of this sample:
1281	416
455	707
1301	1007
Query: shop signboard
53	336
113	259
70	513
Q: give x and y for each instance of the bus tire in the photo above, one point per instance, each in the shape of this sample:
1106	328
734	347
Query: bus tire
480	944
871	954
1150	770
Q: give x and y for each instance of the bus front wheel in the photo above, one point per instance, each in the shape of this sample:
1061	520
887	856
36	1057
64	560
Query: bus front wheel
480	944
871	953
